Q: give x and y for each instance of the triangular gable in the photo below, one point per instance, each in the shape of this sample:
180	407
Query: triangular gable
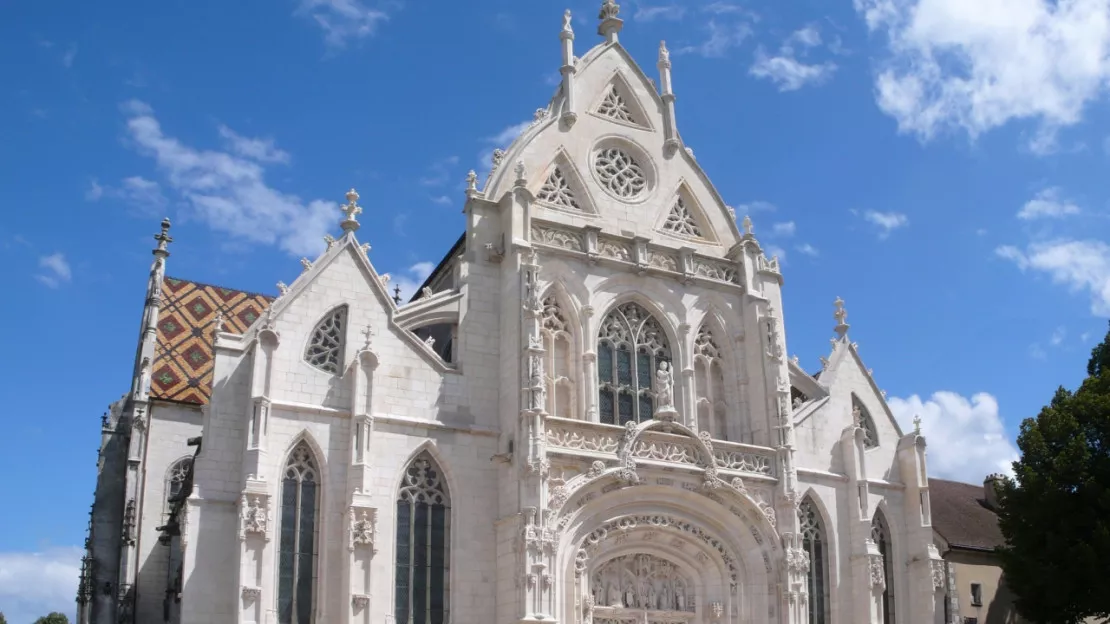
562	188
845	351
619	104
683	217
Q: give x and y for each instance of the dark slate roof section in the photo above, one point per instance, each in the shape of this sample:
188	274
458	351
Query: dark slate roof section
962	517
445	262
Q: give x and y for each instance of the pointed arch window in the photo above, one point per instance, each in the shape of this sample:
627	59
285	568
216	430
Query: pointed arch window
815	545
680	221
709	385
299	534
631	345
423	540
325	345
556	190
880	534
614	107
863	419
175	478
558	344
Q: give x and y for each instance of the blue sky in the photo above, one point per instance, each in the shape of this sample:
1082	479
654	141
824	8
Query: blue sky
940	165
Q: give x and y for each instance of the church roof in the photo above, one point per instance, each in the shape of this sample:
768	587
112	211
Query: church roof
961	516
183	355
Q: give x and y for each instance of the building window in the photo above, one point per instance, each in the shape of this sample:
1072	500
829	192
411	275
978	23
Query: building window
423	539
880	534
813	541
976	595
558	344
863	419
631	345
175	480
299	531
709	384
325	346
971	620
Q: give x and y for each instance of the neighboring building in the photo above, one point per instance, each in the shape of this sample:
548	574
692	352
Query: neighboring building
966	531
587	414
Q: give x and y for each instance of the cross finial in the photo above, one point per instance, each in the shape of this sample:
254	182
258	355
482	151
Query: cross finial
369	334
917	424
163	239
397	294
841	316
747	224
352	210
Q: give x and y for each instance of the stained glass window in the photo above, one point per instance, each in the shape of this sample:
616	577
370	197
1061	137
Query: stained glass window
423	535
880	534
813	541
325	346
631	344
298	536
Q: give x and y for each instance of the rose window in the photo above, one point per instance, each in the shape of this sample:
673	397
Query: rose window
619	173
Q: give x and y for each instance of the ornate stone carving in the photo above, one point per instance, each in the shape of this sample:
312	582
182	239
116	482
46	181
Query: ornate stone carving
255	515
570	437
680	220
716	609
797	560
661	260
556	191
363	527
937	569
360	601
613	248
716	270
643	582
745	461
878	574
614	107
619	173
664	383
251	594
556	237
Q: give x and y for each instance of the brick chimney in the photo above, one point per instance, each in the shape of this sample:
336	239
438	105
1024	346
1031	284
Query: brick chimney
990	490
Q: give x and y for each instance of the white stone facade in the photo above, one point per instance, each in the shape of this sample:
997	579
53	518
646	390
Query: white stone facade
689	513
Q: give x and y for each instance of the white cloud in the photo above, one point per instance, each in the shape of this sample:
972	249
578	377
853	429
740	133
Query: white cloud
136	191
785	228
262	150
1084	337
1037	352
442	200
229	193
808	250
723	8
887	222
342	20
501	140
785	70
722	38
55	270
33	584
1058	335
755	206
1080	265
672	12
440	171
776	251
966	438
411	278
1047	204
974	66
69	56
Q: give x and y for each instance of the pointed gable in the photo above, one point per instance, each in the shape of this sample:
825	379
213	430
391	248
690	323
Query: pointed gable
619	104
563	188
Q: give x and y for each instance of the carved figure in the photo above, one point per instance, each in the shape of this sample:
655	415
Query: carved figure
614	595
665	382
630	597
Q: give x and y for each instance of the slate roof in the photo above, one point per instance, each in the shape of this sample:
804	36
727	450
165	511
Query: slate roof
183	355
961	516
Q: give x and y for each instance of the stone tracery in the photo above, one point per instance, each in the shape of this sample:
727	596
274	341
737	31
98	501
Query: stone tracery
681	221
556	190
619	173
641	581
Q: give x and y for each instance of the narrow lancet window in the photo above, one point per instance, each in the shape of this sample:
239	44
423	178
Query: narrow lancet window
325	345
813	542
863	419
709	384
558	344
423	545
297	550
631	345
880	534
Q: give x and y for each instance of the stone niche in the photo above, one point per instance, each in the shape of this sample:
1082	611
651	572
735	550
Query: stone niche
627	588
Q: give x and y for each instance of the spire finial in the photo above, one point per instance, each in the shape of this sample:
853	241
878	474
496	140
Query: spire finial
747	223
917	424
369	334
566	23
352	210
610	23
163	239
397	294
841	316
664	54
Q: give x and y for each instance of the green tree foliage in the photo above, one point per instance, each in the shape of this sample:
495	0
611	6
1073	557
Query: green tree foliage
1055	513
53	618
3	620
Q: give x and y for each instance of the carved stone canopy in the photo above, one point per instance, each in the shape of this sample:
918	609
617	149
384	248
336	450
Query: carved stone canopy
642	582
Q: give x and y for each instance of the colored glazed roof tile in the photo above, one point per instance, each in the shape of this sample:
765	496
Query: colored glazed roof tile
183	355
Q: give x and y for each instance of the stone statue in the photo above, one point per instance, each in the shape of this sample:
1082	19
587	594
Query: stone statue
615	595
665	392
680	596
653	597
665	602
630	597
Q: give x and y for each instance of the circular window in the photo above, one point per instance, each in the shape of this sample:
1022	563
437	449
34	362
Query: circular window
619	173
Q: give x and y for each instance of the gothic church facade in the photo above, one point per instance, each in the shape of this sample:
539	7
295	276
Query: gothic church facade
585	416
